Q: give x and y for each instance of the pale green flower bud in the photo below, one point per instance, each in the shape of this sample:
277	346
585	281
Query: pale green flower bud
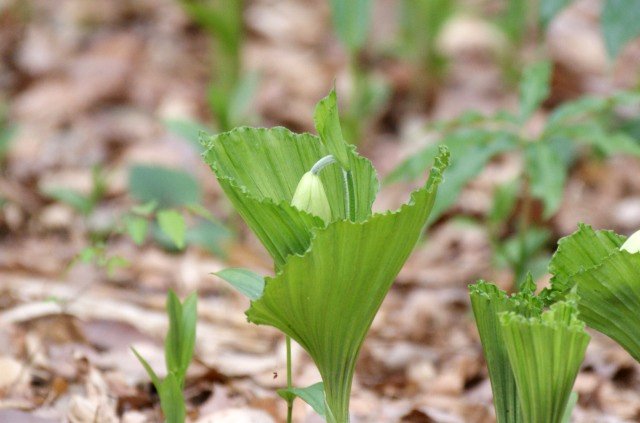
632	244
311	197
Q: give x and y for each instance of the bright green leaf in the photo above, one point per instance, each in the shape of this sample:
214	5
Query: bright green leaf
172	223
312	395
327	298
136	227
247	282
327	123
172	400
620	20
80	202
545	353
168	187
180	340
259	170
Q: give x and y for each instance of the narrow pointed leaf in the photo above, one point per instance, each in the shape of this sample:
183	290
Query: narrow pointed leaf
327	298
152	375
545	353
259	170
247	282
312	395
327	121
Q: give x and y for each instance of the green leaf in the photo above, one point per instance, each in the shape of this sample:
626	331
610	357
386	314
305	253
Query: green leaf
136	227
534	88
550	8
78	201
327	298
152	375
247	282
582	250
487	301
470	151
172	223
504	201
172	400
210	235
312	395
352	19
327	123
168	187
181	337
145	209
243	94
547	174
545	353
259	170
620	20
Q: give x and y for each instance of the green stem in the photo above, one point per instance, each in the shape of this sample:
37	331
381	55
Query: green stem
289	380
523	227
350	198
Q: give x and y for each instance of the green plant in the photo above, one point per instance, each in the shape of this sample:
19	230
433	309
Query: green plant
230	90
352	22
421	22
533	355
84	204
589	125
333	273
178	351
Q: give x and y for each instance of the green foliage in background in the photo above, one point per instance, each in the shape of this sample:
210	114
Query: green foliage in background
179	346
587	125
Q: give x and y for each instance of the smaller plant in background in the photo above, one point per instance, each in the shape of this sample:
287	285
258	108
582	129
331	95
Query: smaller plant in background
589	125
230	91
533	355
179	347
352	23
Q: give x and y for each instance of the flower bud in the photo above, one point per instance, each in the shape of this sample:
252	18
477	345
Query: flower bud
632	244
310	197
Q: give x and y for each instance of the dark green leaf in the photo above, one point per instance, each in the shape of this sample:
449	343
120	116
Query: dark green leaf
534	88
547	174
247	282
620	21
168	187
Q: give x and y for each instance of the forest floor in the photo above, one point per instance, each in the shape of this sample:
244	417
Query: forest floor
90	83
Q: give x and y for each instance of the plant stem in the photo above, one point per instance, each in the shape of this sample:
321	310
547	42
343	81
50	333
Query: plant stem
350	198
523	226
289	380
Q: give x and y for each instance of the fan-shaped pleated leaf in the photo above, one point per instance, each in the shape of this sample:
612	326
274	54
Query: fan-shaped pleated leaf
259	170
487	302
545	353
609	299
579	251
327	298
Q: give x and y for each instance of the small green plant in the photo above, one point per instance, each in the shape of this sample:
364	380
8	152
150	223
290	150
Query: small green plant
352	22
179	346
230	90
308	199
588	125
533	355
421	22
